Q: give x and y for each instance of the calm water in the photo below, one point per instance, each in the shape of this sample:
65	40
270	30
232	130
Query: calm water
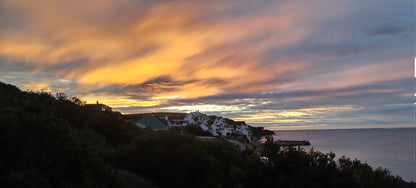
393	149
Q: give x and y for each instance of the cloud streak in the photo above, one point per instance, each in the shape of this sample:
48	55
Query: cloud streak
141	56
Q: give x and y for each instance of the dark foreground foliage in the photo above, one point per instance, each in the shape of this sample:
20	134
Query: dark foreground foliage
52	141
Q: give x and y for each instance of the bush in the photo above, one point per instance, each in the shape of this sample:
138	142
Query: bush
196	130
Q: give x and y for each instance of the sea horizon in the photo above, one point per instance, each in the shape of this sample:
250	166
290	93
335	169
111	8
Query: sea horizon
360	128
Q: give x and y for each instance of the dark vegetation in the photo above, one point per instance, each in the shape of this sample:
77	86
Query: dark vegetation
53	141
195	130
258	132
171	115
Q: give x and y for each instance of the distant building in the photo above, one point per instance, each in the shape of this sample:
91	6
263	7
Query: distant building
99	107
177	122
152	122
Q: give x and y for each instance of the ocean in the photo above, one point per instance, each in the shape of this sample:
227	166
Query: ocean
393	148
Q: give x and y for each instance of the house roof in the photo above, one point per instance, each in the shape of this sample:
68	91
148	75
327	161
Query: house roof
153	122
98	106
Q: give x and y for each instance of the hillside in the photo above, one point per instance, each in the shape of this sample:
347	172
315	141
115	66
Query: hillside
208	123
55	141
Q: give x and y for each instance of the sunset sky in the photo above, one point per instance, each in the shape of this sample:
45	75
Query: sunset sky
279	64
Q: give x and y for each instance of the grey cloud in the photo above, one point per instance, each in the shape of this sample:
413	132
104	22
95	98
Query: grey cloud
372	99
353	34
387	30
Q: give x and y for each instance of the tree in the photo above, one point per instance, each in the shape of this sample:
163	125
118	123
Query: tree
269	148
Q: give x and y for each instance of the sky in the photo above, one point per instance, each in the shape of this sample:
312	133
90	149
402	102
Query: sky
300	64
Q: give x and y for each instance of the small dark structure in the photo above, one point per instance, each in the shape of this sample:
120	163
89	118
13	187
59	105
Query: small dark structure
293	142
99	107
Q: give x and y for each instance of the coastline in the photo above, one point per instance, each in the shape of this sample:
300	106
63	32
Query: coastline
391	148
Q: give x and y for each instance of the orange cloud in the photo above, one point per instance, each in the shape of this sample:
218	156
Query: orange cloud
296	116
118	102
159	52
159	42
